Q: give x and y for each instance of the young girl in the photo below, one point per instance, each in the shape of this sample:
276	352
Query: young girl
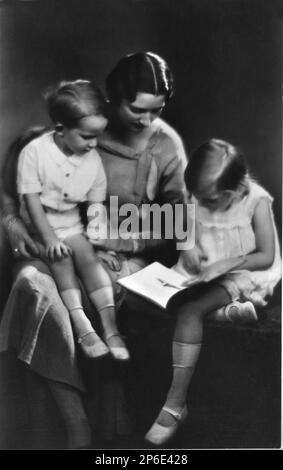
234	221
56	172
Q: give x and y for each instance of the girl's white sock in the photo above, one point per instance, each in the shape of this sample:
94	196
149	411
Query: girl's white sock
103	299
185	357
185	354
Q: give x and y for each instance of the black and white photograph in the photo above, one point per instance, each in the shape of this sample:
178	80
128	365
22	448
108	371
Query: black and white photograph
140	234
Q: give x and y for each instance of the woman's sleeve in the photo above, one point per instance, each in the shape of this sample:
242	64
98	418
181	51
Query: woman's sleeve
172	186
27	182
177	142
9	207
171	191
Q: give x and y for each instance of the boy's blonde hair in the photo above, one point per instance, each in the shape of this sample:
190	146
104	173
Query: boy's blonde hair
69	102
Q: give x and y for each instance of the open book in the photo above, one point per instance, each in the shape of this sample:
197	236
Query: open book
159	284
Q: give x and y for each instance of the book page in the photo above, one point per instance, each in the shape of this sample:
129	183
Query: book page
155	282
158	284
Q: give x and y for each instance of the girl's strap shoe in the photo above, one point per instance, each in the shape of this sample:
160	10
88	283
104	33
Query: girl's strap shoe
241	312
159	435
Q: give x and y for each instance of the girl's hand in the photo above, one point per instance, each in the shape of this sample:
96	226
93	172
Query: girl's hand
21	243
110	259
192	259
57	250
219	268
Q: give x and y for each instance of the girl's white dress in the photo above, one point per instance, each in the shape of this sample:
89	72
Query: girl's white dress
229	234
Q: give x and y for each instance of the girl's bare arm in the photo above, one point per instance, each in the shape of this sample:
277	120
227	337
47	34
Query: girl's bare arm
263	256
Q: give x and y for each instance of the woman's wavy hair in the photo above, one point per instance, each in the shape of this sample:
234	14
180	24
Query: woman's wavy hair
233	165
139	72
10	166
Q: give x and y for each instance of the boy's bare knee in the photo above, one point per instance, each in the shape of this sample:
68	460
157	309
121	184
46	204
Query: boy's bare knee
86	259
83	252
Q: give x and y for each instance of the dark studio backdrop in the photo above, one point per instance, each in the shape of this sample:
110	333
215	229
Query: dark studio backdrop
226	56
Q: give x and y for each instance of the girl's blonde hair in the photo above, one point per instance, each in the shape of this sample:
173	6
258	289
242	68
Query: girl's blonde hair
233	168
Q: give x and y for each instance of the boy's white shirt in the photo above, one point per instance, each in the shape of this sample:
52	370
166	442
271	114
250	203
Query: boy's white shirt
61	181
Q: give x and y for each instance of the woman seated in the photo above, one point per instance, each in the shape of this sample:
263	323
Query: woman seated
144	160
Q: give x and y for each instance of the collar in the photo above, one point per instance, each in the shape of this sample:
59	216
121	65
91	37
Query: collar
58	156
108	143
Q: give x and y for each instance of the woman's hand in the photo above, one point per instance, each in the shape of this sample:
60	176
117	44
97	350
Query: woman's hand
57	250
21	243
110	259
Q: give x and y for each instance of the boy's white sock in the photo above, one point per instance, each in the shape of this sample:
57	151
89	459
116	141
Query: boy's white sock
102	298
73	300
